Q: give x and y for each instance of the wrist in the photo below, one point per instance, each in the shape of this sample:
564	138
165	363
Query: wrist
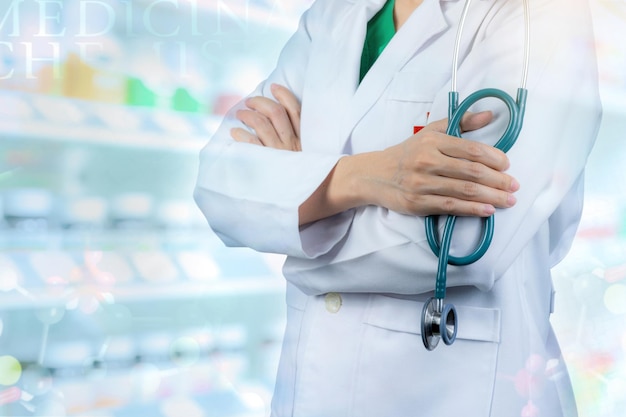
351	183
358	175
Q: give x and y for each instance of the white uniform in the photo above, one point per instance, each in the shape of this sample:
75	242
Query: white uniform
357	352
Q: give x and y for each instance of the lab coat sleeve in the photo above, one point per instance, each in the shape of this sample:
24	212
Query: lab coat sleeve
250	194
387	252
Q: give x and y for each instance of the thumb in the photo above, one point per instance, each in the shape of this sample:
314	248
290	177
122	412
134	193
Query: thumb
469	121
473	121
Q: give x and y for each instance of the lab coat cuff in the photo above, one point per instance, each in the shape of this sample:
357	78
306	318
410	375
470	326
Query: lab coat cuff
320	237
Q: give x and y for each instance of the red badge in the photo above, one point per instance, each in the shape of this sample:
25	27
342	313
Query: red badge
418	128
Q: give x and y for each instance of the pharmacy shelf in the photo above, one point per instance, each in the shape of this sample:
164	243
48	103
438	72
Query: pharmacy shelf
23	298
25	116
74	269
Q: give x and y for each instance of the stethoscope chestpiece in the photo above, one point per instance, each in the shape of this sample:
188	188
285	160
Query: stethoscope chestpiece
438	322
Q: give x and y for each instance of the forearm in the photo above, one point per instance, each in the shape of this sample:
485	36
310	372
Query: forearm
343	189
429	173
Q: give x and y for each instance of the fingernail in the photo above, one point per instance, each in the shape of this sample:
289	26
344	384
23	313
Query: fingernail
514	185
489	209
511	200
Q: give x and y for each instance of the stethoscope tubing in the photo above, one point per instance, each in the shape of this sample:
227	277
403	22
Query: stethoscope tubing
505	143
439	320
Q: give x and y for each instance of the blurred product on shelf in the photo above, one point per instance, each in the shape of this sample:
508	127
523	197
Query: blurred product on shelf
130	210
138	94
28	209
85	211
198	267
84	81
155	267
10	276
182	100
59	111
225	102
177	213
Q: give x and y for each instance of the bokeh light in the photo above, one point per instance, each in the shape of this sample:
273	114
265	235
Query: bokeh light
615	298
10	395
9	275
50	315
145	381
115	318
530	410
185	351
36	380
181	406
10	370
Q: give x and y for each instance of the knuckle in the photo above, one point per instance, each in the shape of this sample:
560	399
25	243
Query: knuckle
411	183
429	138
448	205
424	162
276	111
469	189
474	149
475	171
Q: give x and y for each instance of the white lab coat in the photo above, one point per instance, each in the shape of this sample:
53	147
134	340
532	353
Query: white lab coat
358	353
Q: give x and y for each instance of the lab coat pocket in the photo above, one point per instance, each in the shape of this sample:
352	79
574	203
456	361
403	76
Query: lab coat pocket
398	377
408	103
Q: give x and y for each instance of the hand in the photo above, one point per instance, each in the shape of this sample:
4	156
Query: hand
432	173
276	123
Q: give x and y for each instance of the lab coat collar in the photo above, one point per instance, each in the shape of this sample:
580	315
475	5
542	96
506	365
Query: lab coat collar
419	29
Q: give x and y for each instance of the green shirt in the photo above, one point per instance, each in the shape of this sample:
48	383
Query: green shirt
380	30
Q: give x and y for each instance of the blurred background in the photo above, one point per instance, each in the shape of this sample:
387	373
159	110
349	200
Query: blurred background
115	297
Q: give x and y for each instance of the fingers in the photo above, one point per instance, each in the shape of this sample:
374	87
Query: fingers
440	174
243	136
473	171
442	205
474	151
440	195
474	121
462	195
263	127
291	104
473	161
276	124
270	121
470	121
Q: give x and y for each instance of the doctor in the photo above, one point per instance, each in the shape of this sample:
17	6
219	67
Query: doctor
342	184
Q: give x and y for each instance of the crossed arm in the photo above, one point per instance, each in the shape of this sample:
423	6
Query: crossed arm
429	173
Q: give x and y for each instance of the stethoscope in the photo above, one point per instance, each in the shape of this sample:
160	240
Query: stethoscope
439	320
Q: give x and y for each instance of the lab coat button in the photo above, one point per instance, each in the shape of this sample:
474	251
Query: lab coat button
333	302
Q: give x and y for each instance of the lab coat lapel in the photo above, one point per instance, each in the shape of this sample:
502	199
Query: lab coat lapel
351	36
333	76
422	26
